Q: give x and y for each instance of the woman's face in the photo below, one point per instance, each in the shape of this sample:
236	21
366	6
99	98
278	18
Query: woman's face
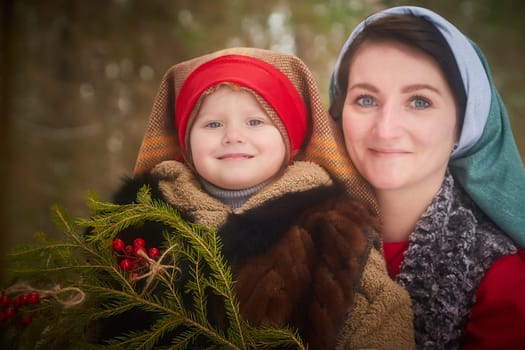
399	117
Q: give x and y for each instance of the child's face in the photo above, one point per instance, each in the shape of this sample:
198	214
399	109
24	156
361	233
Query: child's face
234	144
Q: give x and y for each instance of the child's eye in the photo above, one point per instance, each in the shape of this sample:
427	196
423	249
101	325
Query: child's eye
366	101
254	122
213	125
419	102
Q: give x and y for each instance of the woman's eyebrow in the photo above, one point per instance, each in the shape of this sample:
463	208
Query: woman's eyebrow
364	86
417	87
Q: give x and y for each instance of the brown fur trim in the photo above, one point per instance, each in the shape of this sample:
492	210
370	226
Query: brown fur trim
307	279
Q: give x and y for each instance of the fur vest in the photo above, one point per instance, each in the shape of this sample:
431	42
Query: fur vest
302	255
450	251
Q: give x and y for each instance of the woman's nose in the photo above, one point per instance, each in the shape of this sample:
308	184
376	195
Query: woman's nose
387	123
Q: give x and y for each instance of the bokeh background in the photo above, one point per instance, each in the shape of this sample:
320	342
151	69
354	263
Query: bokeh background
78	79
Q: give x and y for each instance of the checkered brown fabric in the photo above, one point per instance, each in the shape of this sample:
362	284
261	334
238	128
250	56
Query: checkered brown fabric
324	144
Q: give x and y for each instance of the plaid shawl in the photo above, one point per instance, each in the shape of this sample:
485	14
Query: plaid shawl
324	144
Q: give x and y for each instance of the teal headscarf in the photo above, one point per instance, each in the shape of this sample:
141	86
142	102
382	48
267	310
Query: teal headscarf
486	162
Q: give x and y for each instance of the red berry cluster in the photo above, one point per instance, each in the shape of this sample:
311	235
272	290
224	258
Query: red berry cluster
12	309
134	257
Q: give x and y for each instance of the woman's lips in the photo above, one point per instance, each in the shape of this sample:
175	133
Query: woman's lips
388	152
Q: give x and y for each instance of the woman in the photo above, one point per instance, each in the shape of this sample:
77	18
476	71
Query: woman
426	128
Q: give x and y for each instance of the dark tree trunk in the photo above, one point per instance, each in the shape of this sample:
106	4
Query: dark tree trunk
6	70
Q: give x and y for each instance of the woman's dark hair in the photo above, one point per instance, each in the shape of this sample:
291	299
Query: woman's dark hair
412	31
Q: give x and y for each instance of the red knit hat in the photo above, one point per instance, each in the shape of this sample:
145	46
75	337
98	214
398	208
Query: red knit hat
257	75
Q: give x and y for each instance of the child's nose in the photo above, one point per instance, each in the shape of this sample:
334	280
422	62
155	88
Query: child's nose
232	134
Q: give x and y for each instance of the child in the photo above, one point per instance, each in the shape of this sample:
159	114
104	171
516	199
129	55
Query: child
302	253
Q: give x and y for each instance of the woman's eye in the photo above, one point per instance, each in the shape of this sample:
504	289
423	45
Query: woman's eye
419	102
365	101
213	125
254	122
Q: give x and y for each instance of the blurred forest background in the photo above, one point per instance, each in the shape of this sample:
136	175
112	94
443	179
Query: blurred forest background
77	79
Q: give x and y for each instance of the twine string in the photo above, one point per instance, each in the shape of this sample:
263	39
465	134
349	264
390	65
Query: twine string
67	296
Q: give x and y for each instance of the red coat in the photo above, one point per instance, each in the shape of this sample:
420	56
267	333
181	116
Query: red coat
497	320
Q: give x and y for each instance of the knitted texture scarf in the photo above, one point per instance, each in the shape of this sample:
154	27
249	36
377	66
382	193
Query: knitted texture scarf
324	143
450	251
232	198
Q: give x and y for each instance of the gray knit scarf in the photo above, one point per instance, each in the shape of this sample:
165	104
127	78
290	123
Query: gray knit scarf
232	198
450	251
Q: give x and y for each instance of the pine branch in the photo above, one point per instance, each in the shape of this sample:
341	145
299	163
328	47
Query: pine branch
100	289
